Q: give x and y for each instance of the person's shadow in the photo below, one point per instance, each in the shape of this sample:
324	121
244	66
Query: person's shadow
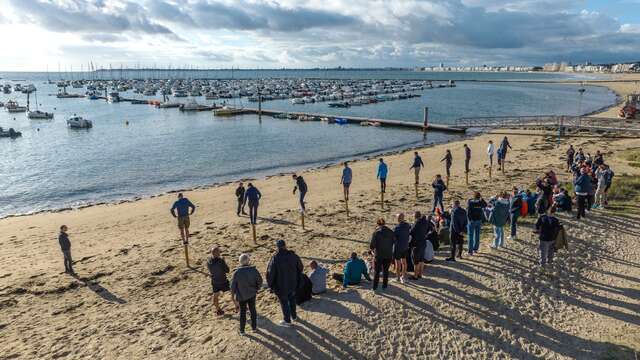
99	289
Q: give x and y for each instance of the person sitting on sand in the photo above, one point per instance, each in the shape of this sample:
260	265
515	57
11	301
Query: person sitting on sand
417	166
252	197
401	247
65	246
318	277
382	242
302	188
498	217
457	229
240	198
184	209
218	271
345	180
354	270
283	273
383	171
245	284
547	228
439	188
418	233
448	161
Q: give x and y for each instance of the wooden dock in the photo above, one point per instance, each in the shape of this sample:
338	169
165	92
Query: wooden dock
357	120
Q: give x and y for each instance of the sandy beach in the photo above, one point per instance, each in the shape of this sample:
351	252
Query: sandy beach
135	298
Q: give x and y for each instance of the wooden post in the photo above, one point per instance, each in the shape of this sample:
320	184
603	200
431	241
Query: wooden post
416	186
346	206
259	106
381	199
447	180
426	123
490	167
302	219
253	232
466	177
186	253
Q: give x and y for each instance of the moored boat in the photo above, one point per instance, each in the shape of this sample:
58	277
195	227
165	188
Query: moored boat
78	122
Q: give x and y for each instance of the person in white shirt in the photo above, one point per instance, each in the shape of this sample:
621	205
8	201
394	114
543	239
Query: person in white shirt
490	151
318	277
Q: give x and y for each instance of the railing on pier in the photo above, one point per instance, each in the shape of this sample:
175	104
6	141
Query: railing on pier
577	123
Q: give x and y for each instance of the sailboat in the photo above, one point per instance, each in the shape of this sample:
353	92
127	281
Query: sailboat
227	110
37	114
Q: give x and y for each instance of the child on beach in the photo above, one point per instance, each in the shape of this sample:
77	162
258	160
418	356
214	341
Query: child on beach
65	246
218	271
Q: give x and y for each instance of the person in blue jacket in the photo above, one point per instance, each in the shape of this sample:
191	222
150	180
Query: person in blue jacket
301	187
582	187
382	175
252	198
181	210
457	228
439	188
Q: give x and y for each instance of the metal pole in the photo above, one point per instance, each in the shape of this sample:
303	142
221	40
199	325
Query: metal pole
426	123
259	106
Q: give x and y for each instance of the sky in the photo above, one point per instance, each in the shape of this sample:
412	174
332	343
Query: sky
68	34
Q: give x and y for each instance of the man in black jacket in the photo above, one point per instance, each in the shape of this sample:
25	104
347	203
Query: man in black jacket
475	214
301	187
382	242
240	197
283	275
65	246
457	228
418	234
439	188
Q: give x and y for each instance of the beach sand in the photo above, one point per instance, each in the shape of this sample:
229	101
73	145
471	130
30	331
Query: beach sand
630	85
135	298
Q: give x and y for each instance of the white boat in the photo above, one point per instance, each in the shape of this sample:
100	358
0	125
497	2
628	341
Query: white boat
78	122
113	97
192	105
37	114
297	101
13	107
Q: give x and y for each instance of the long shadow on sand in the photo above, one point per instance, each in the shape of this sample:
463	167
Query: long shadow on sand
100	290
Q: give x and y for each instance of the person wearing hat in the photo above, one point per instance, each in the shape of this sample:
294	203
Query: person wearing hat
218	271
283	272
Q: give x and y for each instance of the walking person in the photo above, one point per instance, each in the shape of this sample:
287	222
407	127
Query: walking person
448	160
301	186
571	152
504	145
252	197
383	170
65	246
345	180
240	190
490	152
467	158
498	217
283	274
439	188
600	186
417	166
401	247
184	209
547	228
218	271
382	243
475	213
245	284
514	211
582	188
418	233
457	228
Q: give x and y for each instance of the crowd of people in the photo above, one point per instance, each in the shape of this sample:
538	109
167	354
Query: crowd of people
406	246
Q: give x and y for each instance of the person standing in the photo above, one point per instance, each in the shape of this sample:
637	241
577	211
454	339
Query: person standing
439	188
490	152
401	247
252	197
504	145
467	158
318	277
547	228
457	228
475	214
383	170
448	160
417	166
218	271
301	186
283	273
241	200
514	211
601	184
345	180
382	243
582	188
65	246
571	152
498	217
245	284
418	233
608	176
184	209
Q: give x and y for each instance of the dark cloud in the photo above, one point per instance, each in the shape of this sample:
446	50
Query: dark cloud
88	16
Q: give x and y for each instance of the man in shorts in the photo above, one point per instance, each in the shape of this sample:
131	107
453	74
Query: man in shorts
181	210
345	180
218	269
402	232
417	166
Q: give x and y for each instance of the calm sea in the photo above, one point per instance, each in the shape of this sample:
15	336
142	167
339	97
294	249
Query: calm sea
52	167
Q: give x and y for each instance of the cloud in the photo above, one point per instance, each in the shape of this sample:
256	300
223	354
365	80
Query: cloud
103	38
79	16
